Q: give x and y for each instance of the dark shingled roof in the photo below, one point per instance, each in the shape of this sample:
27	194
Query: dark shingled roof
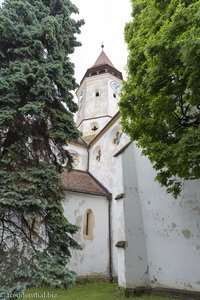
102	60
82	182
102	65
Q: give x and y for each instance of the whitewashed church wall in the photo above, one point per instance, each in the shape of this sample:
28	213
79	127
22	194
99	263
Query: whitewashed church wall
121	268
135	251
87	126
119	222
119	226
108	170
93	260
80	155
172	229
91	105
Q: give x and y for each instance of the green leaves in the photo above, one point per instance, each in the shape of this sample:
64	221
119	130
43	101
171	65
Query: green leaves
160	101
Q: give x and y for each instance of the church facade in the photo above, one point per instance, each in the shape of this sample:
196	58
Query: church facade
129	227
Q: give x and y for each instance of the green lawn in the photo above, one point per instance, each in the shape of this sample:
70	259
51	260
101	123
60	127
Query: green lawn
89	291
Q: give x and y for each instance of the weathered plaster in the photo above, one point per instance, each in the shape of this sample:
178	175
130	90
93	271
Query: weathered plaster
91	106
94	258
136	262
109	172
82	156
172	229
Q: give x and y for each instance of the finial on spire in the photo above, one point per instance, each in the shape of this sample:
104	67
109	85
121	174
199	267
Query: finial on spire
102	46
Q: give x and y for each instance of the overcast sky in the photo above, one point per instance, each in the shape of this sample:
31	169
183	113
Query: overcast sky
104	22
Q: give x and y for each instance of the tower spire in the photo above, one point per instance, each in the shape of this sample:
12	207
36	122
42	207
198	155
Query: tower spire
102	65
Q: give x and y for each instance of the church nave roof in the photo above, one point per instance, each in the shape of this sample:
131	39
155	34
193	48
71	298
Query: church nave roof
82	182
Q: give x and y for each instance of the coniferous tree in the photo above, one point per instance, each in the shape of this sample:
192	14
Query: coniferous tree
160	101
36	121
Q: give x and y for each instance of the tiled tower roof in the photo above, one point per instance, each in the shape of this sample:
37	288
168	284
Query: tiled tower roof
102	65
103	60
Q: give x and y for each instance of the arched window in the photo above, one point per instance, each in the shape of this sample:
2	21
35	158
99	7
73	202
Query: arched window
97	94
88	225
117	138
97	154
98	157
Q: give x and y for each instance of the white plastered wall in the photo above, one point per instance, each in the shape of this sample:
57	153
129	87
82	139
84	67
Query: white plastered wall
90	106
94	258
81	156
109	172
171	228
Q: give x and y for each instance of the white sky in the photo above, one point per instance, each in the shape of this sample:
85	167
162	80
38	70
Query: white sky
104	22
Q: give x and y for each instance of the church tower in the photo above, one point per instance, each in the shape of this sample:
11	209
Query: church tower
98	95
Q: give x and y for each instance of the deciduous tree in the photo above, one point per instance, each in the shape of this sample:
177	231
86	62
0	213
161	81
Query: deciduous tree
160	101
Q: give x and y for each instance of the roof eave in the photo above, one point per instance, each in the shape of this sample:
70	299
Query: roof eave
110	70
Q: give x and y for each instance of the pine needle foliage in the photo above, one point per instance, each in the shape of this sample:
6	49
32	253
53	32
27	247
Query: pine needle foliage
36	120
